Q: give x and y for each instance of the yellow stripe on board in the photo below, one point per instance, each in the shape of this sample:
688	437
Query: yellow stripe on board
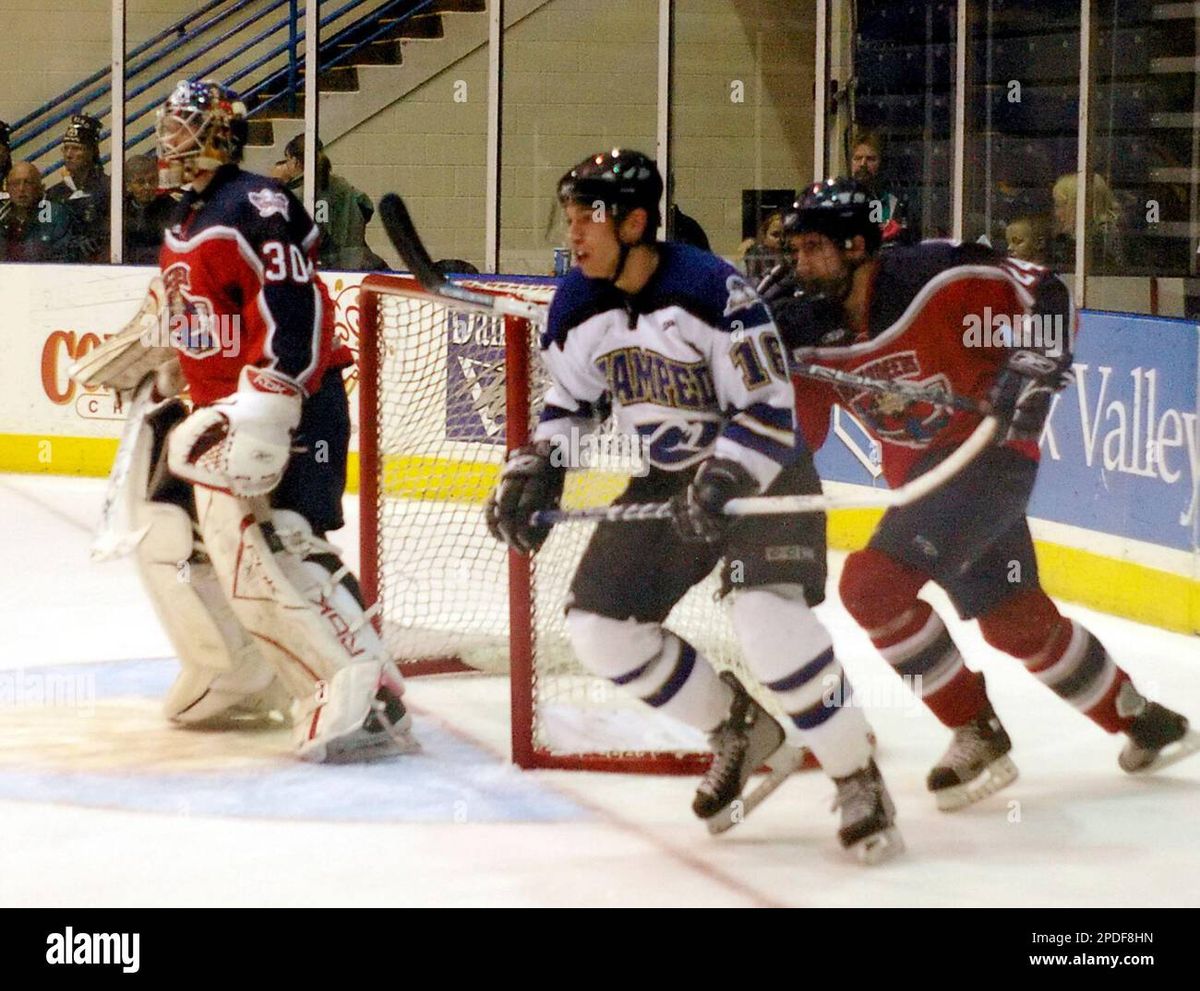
1122	588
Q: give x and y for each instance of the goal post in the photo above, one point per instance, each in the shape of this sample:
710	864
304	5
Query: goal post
445	389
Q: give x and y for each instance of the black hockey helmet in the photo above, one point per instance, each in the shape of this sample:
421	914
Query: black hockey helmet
622	180
838	208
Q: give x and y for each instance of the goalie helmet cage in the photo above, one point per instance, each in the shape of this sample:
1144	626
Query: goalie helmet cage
445	388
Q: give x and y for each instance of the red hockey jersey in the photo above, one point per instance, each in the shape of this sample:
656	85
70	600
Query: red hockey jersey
939	315
239	269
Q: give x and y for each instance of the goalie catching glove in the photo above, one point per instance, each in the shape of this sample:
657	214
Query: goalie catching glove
240	444
1024	391
529	483
698	513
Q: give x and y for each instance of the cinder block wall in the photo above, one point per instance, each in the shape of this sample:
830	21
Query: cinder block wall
580	76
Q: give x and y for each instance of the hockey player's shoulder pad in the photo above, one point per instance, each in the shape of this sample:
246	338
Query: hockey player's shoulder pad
577	299
261	210
705	286
905	270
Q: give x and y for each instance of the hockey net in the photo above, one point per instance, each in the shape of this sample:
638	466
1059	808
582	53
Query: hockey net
445	390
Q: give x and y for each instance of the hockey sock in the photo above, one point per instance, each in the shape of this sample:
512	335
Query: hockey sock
1060	653
653	664
789	650
881	594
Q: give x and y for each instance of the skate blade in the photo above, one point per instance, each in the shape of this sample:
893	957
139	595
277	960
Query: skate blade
780	766
1000	773
363	748
1172	753
878	847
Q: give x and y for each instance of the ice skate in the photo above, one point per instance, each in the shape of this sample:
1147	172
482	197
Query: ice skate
1158	738
343	724
749	739
975	765
868	827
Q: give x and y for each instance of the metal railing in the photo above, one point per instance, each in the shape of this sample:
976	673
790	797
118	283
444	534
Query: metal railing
179	51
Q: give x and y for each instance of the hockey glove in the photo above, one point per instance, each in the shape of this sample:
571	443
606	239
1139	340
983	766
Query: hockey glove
240	444
529	482
1024	391
698	513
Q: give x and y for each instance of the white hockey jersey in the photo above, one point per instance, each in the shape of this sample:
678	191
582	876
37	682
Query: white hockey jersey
692	364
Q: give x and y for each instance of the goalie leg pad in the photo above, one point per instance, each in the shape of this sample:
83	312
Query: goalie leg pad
652	663
223	677
301	605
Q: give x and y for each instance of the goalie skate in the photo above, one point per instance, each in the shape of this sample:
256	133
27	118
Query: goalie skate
336	728
749	739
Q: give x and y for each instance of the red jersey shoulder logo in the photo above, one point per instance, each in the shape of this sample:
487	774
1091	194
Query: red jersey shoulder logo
895	419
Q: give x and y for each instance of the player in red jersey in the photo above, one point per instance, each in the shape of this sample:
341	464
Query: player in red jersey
906	314
269	617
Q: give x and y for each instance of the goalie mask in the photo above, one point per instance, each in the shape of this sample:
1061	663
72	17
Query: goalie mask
201	127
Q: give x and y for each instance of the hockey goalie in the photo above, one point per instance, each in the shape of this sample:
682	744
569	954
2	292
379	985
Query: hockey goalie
226	503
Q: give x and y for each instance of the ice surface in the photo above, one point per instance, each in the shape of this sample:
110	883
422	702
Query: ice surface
101	803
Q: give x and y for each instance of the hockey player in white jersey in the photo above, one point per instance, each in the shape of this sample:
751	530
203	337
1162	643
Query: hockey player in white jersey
688	357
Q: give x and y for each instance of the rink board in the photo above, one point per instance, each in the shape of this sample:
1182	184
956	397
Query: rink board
1116	510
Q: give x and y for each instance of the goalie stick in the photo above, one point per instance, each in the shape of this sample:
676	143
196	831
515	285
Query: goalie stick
769	505
404	237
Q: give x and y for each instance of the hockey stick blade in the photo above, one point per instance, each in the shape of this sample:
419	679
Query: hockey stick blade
402	232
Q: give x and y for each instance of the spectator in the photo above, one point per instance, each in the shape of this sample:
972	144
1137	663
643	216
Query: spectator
766	251
1029	236
341	212
147	212
32	229
891	213
84	190
5	155
1102	233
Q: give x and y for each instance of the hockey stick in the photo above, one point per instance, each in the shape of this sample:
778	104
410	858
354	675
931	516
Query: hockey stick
773	505
404	237
891	387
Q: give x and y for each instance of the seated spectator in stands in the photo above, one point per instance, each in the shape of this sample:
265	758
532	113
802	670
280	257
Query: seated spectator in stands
147	212
84	190
1028	237
866	164
1103	233
32	229
766	251
5	155
281	171
341	212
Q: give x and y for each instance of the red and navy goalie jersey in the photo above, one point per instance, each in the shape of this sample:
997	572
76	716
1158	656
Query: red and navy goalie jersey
936	314
240	275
